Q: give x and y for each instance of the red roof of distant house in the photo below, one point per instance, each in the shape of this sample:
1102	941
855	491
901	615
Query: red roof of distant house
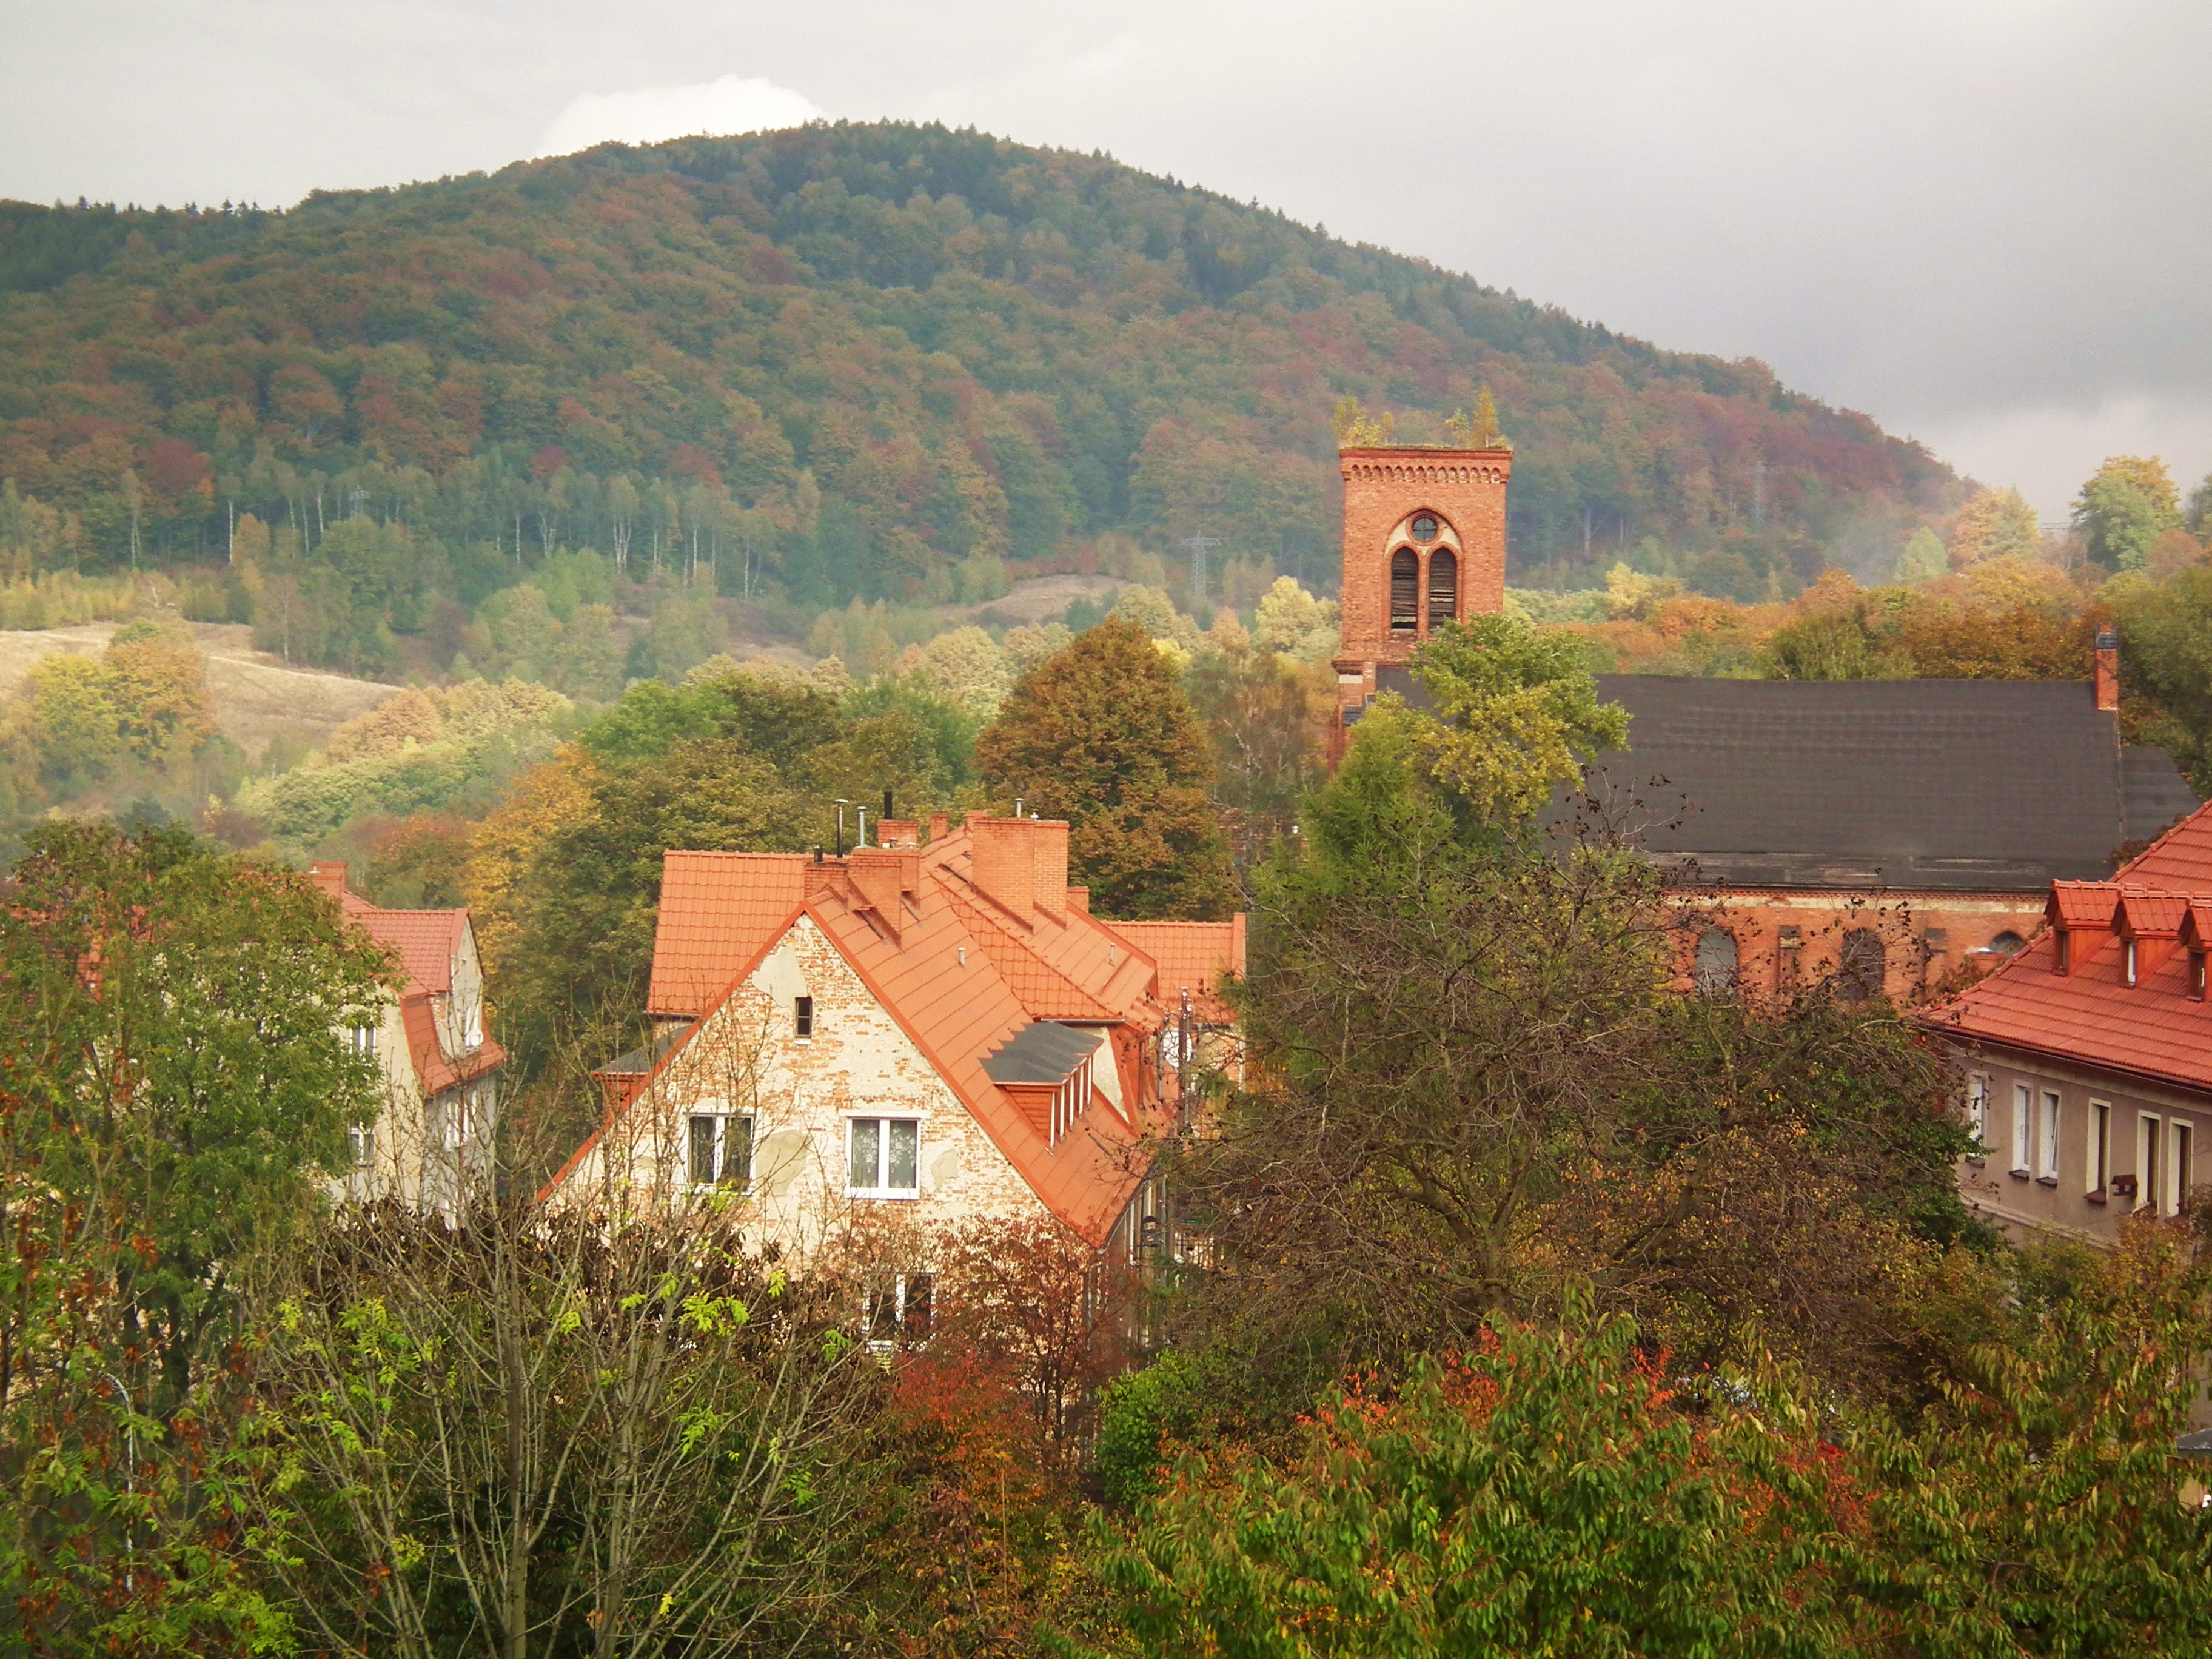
2156	1028
963	958
429	945
1193	956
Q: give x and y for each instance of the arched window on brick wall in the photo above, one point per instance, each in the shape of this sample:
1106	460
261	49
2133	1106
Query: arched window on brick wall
1405	591
1862	966
1443	587
1712	967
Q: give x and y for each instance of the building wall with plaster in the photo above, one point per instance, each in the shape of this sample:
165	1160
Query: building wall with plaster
802	1093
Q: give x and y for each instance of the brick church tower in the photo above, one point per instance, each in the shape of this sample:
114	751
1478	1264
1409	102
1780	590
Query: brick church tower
1424	544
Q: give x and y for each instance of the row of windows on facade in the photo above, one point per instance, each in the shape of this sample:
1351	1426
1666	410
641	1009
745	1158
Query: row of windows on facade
1862	963
882	1155
2165	1147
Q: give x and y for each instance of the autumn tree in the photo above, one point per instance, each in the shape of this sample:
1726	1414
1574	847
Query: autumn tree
2125	506
174	1084
1103	736
1996	524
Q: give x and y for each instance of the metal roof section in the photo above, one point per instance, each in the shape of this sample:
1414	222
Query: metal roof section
1044	1051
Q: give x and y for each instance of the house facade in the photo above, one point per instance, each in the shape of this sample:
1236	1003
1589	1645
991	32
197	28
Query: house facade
923	1033
2088	1054
439	1067
1882	834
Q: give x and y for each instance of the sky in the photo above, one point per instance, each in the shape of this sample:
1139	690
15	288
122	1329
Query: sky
1982	222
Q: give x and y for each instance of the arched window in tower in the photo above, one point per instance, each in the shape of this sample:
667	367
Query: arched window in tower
1443	587
1405	591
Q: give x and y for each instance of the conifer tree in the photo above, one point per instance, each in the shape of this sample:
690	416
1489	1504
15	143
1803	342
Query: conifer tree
1102	735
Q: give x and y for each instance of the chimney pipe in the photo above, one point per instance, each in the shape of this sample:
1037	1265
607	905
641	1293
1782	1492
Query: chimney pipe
2108	669
887	811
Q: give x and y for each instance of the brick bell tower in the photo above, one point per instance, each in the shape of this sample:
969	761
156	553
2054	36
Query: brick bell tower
1424	544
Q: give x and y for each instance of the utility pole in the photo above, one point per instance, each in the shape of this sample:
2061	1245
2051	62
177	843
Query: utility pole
1198	544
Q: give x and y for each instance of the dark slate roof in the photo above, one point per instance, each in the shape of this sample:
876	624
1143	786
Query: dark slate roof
1044	1051
639	1061
2153	795
1928	784
2005	785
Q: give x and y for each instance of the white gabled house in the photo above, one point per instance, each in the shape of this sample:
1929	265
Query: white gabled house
943	1032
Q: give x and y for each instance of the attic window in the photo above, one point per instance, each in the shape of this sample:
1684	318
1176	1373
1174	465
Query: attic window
1405	591
1443	587
2128	966
802	1018
2196	974
2064	959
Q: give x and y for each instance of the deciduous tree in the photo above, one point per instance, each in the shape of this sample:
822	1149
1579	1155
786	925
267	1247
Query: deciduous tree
1102	735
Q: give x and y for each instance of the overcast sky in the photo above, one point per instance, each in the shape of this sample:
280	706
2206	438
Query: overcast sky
1987	223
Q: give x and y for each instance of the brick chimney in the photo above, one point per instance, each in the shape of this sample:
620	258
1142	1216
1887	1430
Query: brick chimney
2108	669
898	834
1020	862
330	875
939	822
881	880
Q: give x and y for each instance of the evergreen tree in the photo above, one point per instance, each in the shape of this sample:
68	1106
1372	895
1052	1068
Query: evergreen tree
1102	735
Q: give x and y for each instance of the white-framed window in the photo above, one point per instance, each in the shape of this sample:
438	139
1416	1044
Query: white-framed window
2046	1138
2023	1099
2150	1161
2182	1155
360	1145
882	1158
802	1018
2101	1145
899	1310
472	1026
1977	1111
362	1040
718	1149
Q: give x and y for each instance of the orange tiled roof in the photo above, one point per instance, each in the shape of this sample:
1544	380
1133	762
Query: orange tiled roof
429	943
2156	1028
1194	956
960	970
718	912
2178	861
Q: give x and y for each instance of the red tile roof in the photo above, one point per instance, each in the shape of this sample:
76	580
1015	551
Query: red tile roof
960	969
2156	1028
719	911
1193	956
2180	861
429	945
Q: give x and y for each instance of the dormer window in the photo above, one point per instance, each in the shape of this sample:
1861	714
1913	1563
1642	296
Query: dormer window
2065	957
2128	966
2196	975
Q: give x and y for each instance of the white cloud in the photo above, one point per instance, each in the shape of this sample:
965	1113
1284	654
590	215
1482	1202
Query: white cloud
650	115
2048	451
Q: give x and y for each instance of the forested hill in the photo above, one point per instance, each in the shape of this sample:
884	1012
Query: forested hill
875	358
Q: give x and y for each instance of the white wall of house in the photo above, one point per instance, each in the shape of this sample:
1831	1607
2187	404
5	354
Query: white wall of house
804	1095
